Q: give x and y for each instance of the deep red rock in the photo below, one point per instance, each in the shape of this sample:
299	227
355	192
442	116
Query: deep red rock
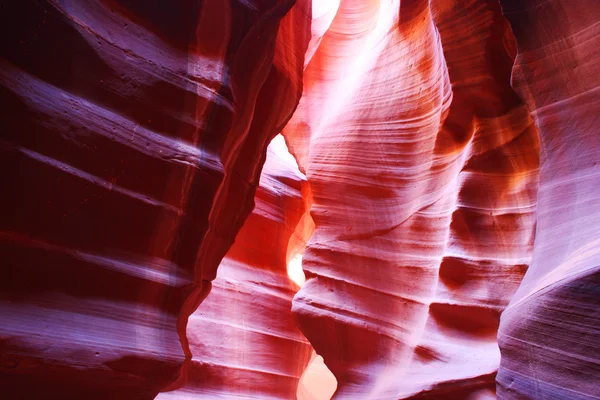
243	338
133	136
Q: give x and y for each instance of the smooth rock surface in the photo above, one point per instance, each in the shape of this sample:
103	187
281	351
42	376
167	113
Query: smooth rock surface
550	333
422	164
133	136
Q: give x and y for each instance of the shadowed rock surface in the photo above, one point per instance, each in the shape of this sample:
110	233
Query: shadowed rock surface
133	136
442	197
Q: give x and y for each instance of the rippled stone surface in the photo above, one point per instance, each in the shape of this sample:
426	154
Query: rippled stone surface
550	333
422	164
243	338
448	156
133	135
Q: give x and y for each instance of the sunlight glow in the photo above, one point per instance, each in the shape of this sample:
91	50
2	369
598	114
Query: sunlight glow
317	382
294	270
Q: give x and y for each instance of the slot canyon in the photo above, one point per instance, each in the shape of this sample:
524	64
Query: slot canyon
296	199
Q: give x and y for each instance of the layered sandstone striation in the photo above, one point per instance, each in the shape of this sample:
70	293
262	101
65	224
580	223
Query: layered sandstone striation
243	338
549	335
133	135
422	164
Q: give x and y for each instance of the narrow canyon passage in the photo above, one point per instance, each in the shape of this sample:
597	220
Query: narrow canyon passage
296	199
243	339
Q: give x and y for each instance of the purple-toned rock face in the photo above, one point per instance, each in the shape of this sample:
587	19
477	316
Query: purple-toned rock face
550	334
442	197
133	136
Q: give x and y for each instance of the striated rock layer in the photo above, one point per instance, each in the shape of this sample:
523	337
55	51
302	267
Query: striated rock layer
549	335
133	138
422	164
133	135
243	338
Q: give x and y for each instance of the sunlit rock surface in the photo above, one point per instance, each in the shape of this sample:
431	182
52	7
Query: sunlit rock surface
422	164
317	381
550	333
133	135
133	138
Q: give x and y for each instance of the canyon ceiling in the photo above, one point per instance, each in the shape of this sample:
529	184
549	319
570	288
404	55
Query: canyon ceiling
280	199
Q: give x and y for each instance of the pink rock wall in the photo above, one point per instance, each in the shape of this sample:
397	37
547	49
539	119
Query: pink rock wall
133	138
549	335
422	163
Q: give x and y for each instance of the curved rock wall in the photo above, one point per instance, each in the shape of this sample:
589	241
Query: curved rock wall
549	333
133	135
423	164
133	138
243	338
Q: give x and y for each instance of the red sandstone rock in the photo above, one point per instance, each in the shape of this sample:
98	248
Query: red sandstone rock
549	335
422	163
133	135
243	338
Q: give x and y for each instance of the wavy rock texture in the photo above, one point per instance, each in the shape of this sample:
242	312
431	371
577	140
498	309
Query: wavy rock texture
133	138
243	338
137	131
549	335
423	165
